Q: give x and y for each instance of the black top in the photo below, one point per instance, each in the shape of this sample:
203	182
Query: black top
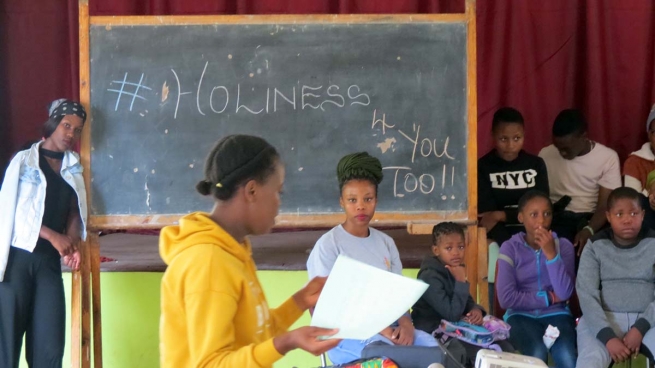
445	298
502	183
58	199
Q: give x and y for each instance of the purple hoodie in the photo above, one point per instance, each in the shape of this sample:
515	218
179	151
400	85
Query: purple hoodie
525	276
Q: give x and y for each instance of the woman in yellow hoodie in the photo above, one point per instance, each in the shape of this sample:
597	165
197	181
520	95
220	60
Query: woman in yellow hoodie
214	312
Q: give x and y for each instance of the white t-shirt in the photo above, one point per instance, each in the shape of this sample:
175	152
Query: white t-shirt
377	250
581	177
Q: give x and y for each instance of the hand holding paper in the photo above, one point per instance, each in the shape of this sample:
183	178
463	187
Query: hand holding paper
361	300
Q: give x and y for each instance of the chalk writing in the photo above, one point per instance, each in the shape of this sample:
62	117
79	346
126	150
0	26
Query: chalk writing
122	91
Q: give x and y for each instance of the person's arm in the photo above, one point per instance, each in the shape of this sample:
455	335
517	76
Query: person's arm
509	293
487	207
8	203
610	179
210	312
74	222
597	221
486	201
561	270
631	173
285	315
450	308
396	263
632	182
74	232
322	257
588	290
304	299
471	304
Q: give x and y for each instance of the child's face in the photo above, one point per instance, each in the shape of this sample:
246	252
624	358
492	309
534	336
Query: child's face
358	199
571	146
67	134
537	213
625	216
508	138
450	249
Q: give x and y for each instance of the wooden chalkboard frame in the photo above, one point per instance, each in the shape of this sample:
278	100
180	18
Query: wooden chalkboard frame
412	220
85	296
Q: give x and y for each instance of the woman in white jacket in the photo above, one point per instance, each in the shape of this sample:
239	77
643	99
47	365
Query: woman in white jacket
42	218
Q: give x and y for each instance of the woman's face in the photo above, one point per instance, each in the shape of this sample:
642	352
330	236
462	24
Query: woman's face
67	134
359	199
266	201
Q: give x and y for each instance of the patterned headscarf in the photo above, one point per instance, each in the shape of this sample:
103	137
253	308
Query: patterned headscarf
68	107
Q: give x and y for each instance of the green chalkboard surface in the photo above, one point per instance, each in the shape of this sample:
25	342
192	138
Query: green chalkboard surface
161	95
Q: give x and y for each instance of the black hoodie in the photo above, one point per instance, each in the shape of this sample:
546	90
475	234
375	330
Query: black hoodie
445	298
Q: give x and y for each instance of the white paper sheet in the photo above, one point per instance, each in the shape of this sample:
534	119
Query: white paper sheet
361	300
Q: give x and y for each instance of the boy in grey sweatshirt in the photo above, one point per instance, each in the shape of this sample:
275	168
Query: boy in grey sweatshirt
616	288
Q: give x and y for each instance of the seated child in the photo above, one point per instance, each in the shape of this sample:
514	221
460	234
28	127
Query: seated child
448	294
359	175
504	175
582	171
536	277
640	163
616	286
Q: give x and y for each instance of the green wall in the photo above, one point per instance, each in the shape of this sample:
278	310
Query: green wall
130	317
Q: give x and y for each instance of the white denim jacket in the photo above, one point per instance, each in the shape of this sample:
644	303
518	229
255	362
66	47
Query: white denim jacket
22	200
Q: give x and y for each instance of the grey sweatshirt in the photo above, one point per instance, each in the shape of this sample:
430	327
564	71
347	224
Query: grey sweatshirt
616	278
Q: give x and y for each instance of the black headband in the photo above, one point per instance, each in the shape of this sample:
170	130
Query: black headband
245	167
69	108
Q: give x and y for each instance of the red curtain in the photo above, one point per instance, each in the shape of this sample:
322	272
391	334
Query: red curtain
538	56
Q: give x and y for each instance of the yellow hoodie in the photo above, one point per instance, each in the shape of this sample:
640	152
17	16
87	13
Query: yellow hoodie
213	310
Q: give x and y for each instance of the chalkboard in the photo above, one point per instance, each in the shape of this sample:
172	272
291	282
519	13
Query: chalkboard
161	95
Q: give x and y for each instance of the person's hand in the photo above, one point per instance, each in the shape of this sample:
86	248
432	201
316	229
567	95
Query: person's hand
73	260
553	297
580	239
474	317
489	219
632	340
388	333
64	244
307	339
403	334
307	297
618	351
458	272
545	241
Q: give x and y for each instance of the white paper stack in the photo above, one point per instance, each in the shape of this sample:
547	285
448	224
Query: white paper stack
361	300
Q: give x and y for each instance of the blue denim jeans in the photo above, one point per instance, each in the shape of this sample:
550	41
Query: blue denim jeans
527	334
349	350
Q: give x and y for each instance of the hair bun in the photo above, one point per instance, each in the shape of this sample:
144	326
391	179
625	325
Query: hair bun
204	187
359	165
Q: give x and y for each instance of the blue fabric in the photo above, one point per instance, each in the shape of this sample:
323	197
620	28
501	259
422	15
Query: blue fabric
349	350
527	334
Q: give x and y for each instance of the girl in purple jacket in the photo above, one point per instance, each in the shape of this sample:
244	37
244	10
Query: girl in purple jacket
536	277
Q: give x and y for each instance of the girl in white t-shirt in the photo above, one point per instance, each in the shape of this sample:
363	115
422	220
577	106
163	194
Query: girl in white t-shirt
359	175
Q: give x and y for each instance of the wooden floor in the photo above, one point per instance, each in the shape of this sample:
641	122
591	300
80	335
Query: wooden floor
277	251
